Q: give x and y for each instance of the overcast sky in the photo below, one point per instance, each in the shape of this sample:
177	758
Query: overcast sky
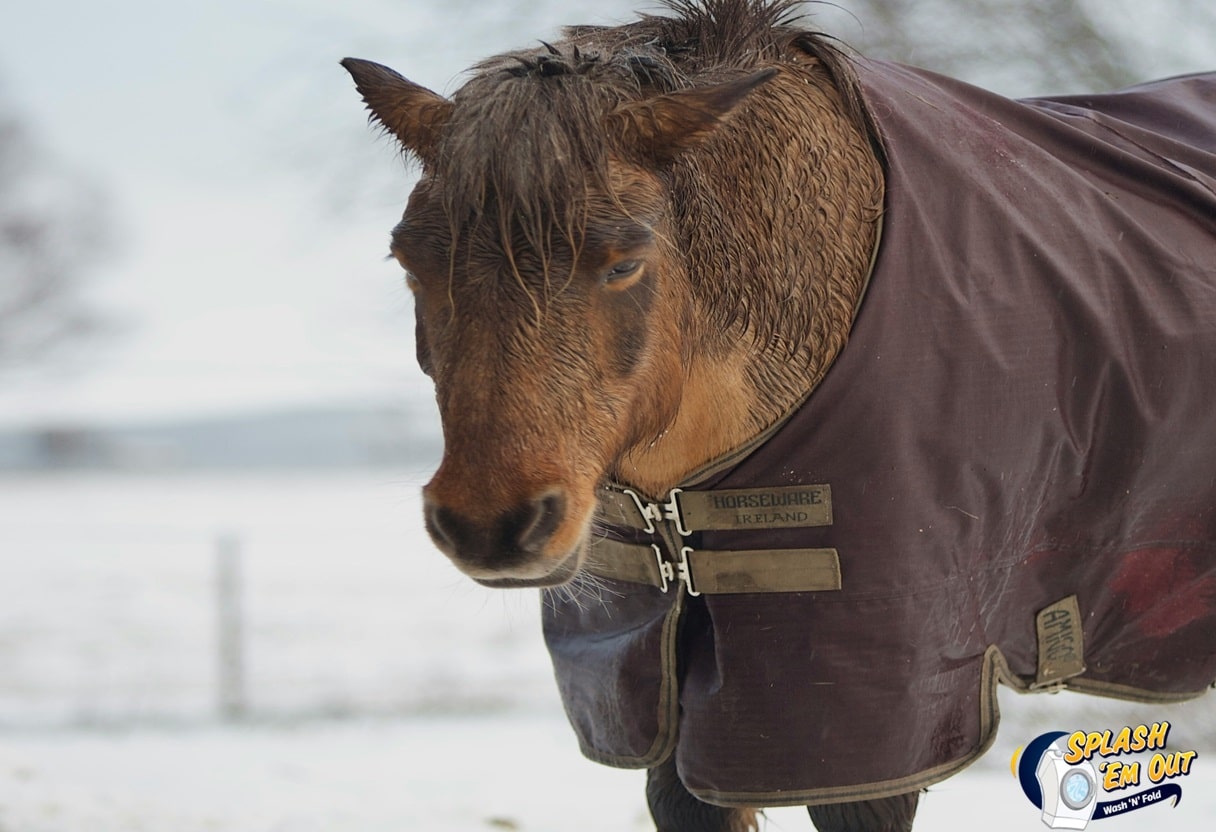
251	203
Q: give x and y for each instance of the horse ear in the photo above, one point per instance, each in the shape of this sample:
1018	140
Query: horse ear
661	128
414	114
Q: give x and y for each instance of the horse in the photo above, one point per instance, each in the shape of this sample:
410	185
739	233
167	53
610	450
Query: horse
736	339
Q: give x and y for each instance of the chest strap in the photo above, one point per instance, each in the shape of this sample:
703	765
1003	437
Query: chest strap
705	572
781	507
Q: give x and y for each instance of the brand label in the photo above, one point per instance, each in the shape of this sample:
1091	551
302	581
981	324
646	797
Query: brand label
758	508
1061	654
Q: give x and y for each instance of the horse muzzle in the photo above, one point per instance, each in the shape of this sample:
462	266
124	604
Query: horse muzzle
529	545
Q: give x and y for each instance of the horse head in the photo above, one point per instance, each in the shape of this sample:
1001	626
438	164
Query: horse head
552	303
629	253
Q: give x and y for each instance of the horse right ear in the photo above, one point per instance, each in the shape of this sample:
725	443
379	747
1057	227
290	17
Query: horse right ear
414	114
661	128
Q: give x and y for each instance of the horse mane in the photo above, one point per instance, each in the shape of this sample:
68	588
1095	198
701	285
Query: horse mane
525	146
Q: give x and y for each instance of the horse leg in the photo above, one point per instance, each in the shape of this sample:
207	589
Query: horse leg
675	810
887	814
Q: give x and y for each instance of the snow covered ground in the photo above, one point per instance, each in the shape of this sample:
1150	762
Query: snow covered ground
108	614
449	773
385	691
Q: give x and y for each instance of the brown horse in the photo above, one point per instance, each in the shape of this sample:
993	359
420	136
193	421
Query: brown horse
595	298
634	253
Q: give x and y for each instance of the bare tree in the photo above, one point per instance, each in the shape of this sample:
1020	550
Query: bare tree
52	229
1051	46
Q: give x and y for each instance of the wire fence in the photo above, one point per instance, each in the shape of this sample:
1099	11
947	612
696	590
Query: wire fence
321	601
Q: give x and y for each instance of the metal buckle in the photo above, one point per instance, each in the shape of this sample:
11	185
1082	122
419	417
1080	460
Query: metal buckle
649	511
678	572
684	570
669	572
666	570
671	511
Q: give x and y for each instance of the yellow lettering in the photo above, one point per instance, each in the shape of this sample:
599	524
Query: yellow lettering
1102	745
1118	775
1128	740
1156	768
1076	748
1139	735
1185	757
1175	764
1093	742
1157	735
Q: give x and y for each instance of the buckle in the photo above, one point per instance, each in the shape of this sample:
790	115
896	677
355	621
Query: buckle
671	511
666	572
684	570
678	572
651	512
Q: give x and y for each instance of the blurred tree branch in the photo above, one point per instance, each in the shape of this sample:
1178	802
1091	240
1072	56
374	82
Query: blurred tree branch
1010	46
52	230
1051	46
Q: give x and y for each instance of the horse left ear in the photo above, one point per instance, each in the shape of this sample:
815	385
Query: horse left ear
661	128
412	113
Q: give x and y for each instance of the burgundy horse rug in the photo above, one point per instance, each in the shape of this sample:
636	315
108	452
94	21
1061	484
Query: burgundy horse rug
1008	474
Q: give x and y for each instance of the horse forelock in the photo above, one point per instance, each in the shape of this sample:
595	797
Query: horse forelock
524	159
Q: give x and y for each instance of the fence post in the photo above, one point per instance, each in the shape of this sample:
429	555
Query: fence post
231	626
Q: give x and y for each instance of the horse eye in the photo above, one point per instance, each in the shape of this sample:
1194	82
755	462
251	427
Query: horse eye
622	270
411	281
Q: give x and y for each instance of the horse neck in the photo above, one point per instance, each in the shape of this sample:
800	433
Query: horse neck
777	241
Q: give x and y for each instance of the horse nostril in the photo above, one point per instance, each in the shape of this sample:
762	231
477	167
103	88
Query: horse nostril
441	525
543	516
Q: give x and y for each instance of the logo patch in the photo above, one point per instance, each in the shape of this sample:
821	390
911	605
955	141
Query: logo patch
1061	655
758	508
1083	776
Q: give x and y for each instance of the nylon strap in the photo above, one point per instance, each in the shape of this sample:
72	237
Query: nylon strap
620	510
782	507
634	564
720	572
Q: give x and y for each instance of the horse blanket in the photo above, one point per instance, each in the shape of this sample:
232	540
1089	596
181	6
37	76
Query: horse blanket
1008	474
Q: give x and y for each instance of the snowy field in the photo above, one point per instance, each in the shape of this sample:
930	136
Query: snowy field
383	691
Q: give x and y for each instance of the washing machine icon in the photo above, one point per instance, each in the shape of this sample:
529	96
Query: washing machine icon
1070	791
